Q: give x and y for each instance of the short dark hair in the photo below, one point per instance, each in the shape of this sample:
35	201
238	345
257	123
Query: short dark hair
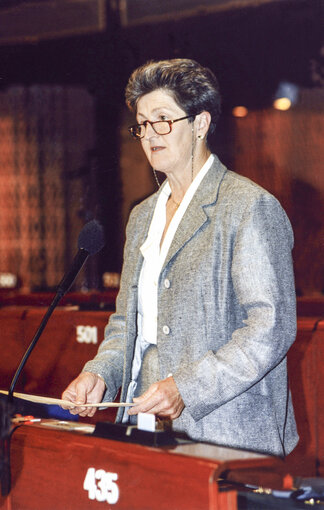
194	87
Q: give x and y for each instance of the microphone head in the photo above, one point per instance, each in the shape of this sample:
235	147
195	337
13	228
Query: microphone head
92	237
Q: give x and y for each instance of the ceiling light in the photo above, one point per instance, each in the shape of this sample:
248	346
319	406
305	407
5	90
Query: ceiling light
240	111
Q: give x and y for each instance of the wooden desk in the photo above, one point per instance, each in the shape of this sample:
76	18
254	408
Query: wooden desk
67	343
55	469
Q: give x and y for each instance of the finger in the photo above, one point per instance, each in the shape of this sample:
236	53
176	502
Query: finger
68	395
158	410
86	412
147	394
78	410
169	413
92	411
159	406
146	406
81	396
65	406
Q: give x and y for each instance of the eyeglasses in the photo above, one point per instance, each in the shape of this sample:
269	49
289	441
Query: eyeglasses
160	127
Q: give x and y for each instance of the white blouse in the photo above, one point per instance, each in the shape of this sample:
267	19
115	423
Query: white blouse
154	257
152	264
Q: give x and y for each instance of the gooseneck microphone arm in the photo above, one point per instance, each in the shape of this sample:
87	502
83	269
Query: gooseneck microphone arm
63	287
90	241
34	341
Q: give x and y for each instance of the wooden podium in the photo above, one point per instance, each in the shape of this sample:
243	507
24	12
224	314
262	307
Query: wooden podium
62	466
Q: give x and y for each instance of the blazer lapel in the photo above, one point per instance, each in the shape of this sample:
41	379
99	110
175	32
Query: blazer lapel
195	215
141	234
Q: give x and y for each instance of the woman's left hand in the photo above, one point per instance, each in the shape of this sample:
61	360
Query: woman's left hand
162	398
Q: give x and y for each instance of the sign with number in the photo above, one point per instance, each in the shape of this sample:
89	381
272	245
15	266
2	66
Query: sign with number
101	485
87	334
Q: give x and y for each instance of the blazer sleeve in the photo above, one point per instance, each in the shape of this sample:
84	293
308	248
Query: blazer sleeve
109	360
263	282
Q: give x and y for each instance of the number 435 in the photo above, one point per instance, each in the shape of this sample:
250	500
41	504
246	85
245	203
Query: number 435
101	485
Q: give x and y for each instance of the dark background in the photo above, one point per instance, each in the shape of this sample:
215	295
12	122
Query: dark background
251	49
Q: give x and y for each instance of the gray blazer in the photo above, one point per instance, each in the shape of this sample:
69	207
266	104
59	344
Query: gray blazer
226	315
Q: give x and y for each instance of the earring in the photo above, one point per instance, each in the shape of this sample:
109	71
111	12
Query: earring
156	178
192	151
200	137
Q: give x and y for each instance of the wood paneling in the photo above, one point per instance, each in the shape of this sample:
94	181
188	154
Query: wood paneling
70	339
284	153
306	377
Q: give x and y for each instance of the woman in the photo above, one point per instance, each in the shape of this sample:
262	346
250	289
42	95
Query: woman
206	310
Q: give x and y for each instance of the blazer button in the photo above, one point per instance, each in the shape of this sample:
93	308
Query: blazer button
166	330
167	283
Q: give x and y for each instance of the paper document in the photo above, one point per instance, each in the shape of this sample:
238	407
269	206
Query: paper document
57	401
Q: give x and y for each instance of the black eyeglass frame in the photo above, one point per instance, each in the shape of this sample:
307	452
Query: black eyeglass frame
170	122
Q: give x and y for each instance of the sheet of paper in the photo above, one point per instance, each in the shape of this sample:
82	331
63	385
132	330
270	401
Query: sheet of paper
57	401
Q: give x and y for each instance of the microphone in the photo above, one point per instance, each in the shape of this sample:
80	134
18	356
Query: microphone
90	241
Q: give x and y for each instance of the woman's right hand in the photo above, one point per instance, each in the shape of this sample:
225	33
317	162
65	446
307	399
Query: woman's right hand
87	388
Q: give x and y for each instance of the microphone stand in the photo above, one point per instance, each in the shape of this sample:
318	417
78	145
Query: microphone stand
5	471
90	241
34	341
6	412
62	289
7	408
